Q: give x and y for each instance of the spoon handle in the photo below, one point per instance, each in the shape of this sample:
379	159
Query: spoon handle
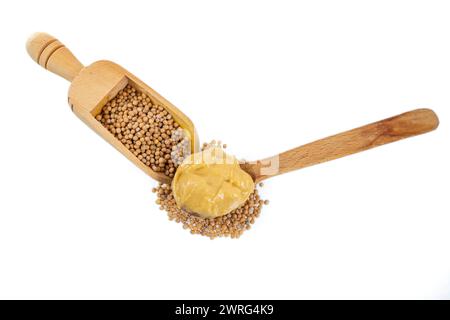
405	125
52	55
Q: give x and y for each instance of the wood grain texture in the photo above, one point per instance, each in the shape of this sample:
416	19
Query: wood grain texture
100	82
52	55
405	125
93	86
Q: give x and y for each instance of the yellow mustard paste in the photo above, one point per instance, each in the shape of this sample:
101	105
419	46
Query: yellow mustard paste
211	183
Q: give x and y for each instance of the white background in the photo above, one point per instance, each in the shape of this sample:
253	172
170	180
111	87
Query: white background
77	220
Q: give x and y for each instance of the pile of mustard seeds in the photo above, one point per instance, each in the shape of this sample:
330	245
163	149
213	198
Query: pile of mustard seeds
146	129
231	225
155	138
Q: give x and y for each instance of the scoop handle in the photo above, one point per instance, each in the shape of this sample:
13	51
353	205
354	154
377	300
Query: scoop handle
405	125
52	55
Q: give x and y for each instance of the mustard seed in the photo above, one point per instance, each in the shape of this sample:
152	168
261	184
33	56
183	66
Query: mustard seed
144	127
230	225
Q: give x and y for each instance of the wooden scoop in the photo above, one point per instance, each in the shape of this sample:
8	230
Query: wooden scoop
93	86
405	125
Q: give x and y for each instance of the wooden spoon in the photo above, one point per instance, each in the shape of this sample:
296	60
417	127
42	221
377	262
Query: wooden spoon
93	86
405	125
